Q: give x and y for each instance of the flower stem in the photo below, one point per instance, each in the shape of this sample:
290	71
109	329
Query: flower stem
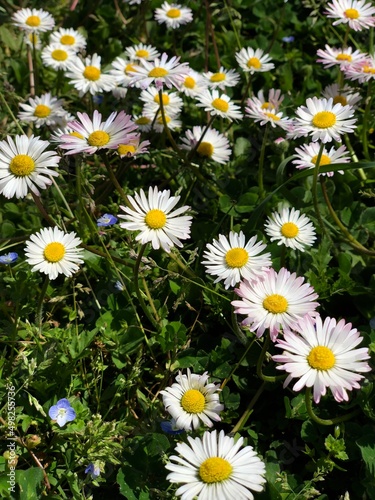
261	163
322	421
366	117
152	320
315	191
39	309
242	421
115	181
266	378
234	369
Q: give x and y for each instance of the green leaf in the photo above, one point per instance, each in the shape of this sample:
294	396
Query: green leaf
125	489
29	483
366	445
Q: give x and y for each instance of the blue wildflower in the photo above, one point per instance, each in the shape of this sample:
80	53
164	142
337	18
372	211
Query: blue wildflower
8	258
93	469
62	412
288	39
106	220
169	426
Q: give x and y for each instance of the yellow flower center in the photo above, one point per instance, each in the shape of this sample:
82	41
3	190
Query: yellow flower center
368	69
143	120
351	13
33	37
289	230
193	401
205	149
142	53
67	40
157	73
254	62
42	111
54	252
267	105
217	77
343	57
321	358
236	257
129	67
189	82
174	13
324	119
160	119
324	160
340	99
215	470
21	165
33	21
155	219
98	138
92	73
220	104
59	55
165	99
275	303
76	134
273	117
125	149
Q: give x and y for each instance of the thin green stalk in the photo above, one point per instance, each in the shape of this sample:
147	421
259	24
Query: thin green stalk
42	210
57	187
115	181
234	369
39	309
266	378
354	157
315	191
11	114
366	117
194	149
242	421
142	303
322	421
165	124
261	163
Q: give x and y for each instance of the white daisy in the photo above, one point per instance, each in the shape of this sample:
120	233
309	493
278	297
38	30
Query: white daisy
325	121
143	122
53	252
288	227
173	15
234	259
156	220
307	155
159	72
219	104
357	13
172	102
89	136
265	113
343	95
172	121
253	61
323	355
36	20
133	147
122	70
58	56
222	78
43	110
69	38
142	51
193	84
343	57
86	76
216	468
277	301
32	39
214	145
363	71
25	165
191	400
271	102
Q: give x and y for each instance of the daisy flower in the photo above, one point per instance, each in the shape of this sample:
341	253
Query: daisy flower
69	38
214	146
216	467
323	355
33	40
173	15
325	121
133	147
156	220
86	76
89	136
277	301
342	57
219	104
143	122
25	165
260	113
357	13
58	56
193	84
191	400
53	252
234	259
159	72
122	70
172	102
36	20
343	95
43	110
307	155
272	102
222	79
142	51
288	227
172	121
253	61
363	71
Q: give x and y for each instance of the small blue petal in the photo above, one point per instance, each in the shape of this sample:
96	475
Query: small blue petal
62	412
93	469
169	426
288	39
106	220
8	258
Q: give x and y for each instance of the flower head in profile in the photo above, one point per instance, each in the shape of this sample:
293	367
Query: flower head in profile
343	57
214	146
219	105
133	147
142	51
191	400
291	228
159	72
43	110
357	14
8	258
93	469
35	20
270	101
231	259
307	156
156	220
62	412
277	301
216	467
343	95
266	113
106	220
324	120
323	355
173	15
254	61
25	165
53	252
363	71
222	78
87	76
172	102
69	38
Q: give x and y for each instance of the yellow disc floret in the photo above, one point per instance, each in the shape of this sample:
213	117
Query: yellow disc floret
205	149
275	304
42	111
165	99
215	470
324	160
92	73
59	55
142	53
340	99
321	358
217	77
158	73
155	219
254	62
67	40
289	230
220	104
193	401
272	116
126	149
236	257
351	14
174	13
54	252
344	57
98	138
189	82
33	21
22	165
324	119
